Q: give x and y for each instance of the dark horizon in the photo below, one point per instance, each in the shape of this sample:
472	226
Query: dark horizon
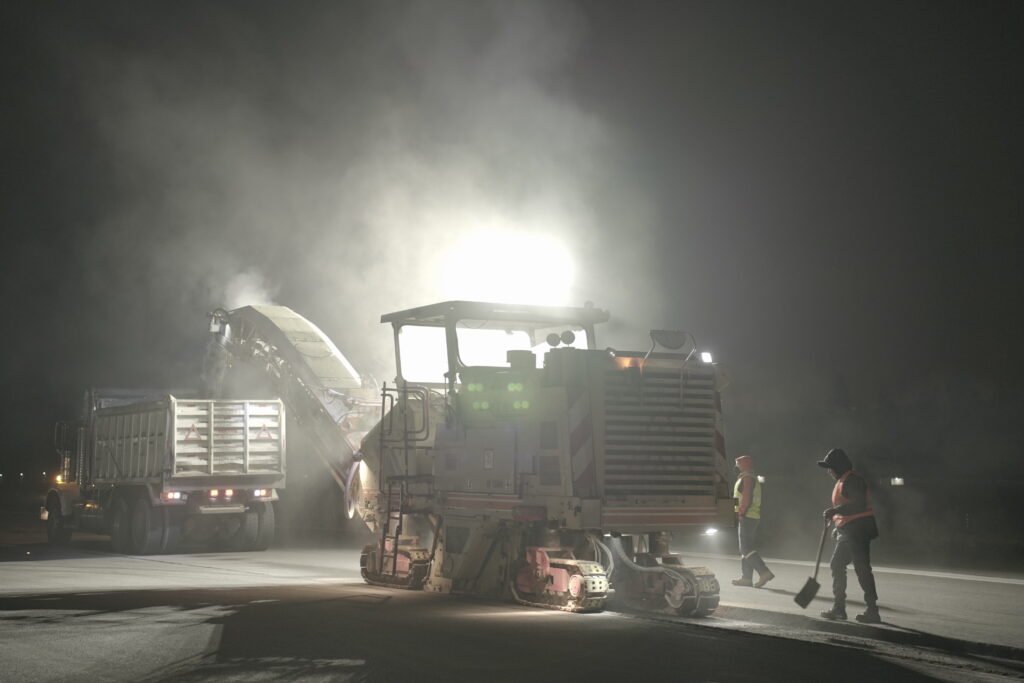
828	198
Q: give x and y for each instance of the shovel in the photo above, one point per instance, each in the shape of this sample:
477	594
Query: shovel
810	589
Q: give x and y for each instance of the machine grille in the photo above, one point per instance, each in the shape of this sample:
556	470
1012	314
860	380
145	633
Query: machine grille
659	432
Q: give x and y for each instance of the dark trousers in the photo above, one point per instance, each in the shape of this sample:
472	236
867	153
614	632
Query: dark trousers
750	559
857	550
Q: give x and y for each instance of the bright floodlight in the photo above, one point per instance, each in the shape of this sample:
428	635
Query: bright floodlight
705	356
710	531
896	481
508	266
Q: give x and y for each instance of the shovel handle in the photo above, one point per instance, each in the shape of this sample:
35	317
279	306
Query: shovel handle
821	547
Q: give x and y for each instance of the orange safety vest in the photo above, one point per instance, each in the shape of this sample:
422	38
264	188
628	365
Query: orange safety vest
839	499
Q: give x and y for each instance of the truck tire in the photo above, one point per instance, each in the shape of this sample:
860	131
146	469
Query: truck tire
265	527
172	525
146	527
57	532
120	527
248	533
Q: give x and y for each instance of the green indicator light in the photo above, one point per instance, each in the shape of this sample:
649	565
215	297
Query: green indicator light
517	405
511	386
526	404
485	405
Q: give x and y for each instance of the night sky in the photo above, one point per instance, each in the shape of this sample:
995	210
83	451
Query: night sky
828	195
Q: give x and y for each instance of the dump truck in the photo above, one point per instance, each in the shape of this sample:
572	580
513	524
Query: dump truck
154	471
514	457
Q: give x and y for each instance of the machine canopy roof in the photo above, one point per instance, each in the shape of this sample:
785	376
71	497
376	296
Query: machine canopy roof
520	316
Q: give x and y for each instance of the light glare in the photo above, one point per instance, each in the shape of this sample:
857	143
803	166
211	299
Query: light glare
508	266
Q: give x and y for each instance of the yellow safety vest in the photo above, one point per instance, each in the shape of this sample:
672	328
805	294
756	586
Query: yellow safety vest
754	510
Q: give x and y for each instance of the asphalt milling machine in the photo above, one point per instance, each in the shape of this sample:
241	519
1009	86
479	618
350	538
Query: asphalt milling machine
513	457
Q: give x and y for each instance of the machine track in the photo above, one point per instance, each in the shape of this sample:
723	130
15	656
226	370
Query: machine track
589	604
562	583
412	579
661	588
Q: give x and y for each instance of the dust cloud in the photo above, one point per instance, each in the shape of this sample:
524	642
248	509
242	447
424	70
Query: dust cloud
334	161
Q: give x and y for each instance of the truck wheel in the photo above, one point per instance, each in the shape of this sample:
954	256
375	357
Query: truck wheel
265	531
120	527
172	523
146	529
247	535
56	531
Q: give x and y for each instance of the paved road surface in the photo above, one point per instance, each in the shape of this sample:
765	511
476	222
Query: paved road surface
84	614
943	605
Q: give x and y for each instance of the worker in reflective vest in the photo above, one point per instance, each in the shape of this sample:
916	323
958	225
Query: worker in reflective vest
855	527
747	493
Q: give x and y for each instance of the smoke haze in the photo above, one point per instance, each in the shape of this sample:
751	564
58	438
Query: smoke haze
827	201
339	170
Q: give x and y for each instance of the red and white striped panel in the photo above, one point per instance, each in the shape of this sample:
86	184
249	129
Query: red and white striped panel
644	516
581	443
471	501
719	437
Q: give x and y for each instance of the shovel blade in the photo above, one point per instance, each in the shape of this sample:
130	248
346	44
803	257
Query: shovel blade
807	593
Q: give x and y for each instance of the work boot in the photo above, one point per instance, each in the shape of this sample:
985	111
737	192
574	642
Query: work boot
835	614
870	616
765	578
743	582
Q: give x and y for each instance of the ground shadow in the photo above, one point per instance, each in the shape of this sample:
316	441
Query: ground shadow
890	633
361	633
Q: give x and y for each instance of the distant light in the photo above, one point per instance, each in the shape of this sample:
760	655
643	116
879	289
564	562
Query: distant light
710	531
896	481
214	493
760	478
228	493
60	479
44	473
705	357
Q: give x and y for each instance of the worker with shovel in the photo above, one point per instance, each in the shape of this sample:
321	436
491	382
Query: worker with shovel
855	527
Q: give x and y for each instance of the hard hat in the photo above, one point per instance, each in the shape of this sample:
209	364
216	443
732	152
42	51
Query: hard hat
837	460
745	462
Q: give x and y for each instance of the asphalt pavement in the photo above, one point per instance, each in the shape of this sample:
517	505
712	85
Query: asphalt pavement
83	613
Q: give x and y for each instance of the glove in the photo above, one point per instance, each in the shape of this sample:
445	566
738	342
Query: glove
829	514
